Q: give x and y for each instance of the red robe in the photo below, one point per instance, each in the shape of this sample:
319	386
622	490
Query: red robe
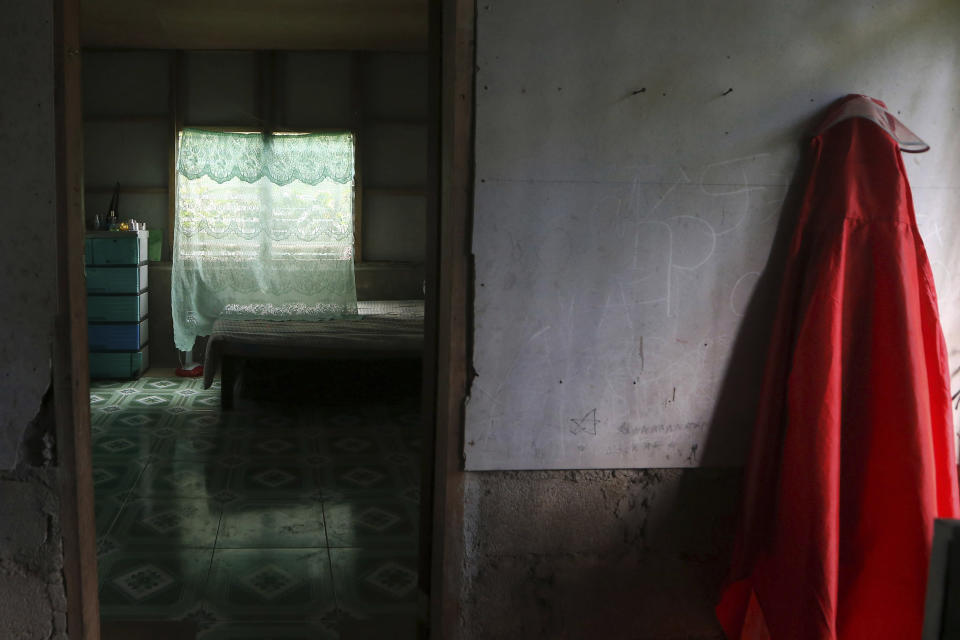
853	453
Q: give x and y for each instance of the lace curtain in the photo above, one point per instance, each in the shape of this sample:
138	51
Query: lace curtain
264	227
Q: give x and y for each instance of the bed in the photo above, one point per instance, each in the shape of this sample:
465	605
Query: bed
382	329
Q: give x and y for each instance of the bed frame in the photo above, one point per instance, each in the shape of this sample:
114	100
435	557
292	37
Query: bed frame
382	329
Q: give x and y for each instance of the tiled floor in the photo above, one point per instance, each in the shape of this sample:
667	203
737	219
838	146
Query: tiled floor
261	522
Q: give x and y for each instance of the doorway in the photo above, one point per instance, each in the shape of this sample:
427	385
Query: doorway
80	584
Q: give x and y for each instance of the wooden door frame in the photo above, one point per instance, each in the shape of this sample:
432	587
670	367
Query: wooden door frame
448	311
71	382
450	281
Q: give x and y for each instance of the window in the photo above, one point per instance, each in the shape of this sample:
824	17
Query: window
264	225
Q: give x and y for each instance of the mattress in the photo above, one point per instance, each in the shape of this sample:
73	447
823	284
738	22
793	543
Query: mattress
381	328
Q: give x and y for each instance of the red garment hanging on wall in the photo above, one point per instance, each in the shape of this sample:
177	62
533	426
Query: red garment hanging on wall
853	453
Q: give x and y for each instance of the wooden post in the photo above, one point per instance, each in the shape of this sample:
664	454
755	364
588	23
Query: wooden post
428	409
454	310
176	108
357	63
70	369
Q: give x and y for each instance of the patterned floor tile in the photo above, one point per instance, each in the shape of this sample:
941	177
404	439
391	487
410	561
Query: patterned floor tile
154	384
272	524
271	584
408	465
269	631
200	445
371	583
279	443
101	398
131	444
406	421
165	400
276	420
361	475
274	478
125	420
337	417
107	545
410	493
203	616
115	474
396	413
194	421
372	523
348	417
204	420
152	585
350	442
106	508
411	441
174	476
156	523
182	479
206	401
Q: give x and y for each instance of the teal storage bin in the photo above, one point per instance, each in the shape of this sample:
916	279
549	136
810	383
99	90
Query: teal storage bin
119	365
118	337
115	248
132	308
117	279
155	248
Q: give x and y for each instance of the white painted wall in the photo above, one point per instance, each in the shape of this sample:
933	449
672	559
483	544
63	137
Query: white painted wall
631	166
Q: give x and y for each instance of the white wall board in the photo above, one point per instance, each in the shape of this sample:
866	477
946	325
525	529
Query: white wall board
632	161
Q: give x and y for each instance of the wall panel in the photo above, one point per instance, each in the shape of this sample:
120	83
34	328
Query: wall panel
632	163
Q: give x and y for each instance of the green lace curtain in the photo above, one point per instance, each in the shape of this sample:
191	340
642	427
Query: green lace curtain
264	228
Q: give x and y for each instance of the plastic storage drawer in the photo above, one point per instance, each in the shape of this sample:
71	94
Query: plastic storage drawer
116	279
131	308
116	248
117	337
119	365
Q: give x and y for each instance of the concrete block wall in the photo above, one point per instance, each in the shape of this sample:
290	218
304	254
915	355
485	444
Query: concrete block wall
33	602
631	554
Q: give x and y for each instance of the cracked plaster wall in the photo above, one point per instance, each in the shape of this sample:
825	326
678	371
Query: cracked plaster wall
32	600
